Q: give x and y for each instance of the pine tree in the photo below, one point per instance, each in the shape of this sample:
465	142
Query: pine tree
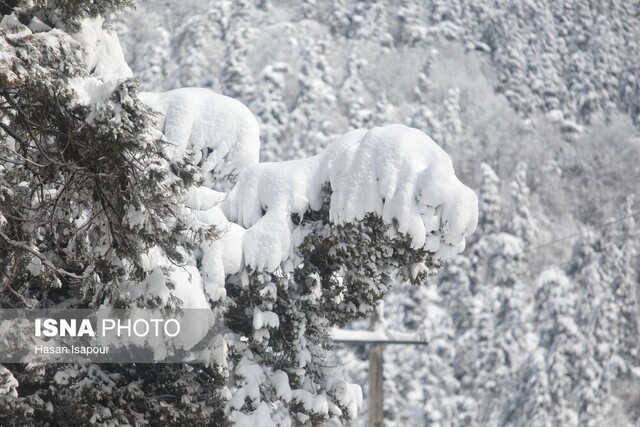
78	206
423	118
193	68
549	374
338	18
625	284
451	124
308	9
454	285
522	223
153	56
100	193
236	78
351	95
384	112
489	201
491	351
599	364
369	22
272	111
412	29
308	126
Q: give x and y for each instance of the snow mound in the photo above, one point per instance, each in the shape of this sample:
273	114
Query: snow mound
105	64
395	172
103	53
222	132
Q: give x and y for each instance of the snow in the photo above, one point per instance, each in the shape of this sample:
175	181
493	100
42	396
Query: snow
261	417
395	172
105	63
317	404
8	383
221	131
349	396
222	256
280	381
103	53
265	319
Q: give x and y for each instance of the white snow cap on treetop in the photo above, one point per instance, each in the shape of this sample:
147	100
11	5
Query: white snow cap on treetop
395	172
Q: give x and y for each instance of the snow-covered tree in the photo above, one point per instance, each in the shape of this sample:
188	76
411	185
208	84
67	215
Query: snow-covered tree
454	285
308	9
624	283
352	95
423	117
369	22
75	205
384	112
522	223
546	386
309	128
193	65
424	373
153	57
272	111
236	78
338	18
489	201
87	188
412	29
451	124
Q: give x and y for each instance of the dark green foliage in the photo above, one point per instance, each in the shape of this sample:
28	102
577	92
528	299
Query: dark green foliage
154	395
344	271
63	13
86	189
74	176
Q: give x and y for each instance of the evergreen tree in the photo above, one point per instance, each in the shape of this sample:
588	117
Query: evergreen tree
193	68
114	213
272	111
308	126
384	112
369	22
546	387
451	124
454	286
75	218
338	18
423	118
412	29
153	56
625	286
308	9
351	95
86	190
236	78
489	201
522	223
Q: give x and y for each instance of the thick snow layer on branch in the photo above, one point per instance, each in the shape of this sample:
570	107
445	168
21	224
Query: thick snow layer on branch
104	56
395	172
104	61
221	131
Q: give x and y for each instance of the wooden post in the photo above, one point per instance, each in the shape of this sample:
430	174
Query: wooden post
377	340
376	377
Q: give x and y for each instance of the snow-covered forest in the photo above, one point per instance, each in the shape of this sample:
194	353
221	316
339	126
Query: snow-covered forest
126	181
